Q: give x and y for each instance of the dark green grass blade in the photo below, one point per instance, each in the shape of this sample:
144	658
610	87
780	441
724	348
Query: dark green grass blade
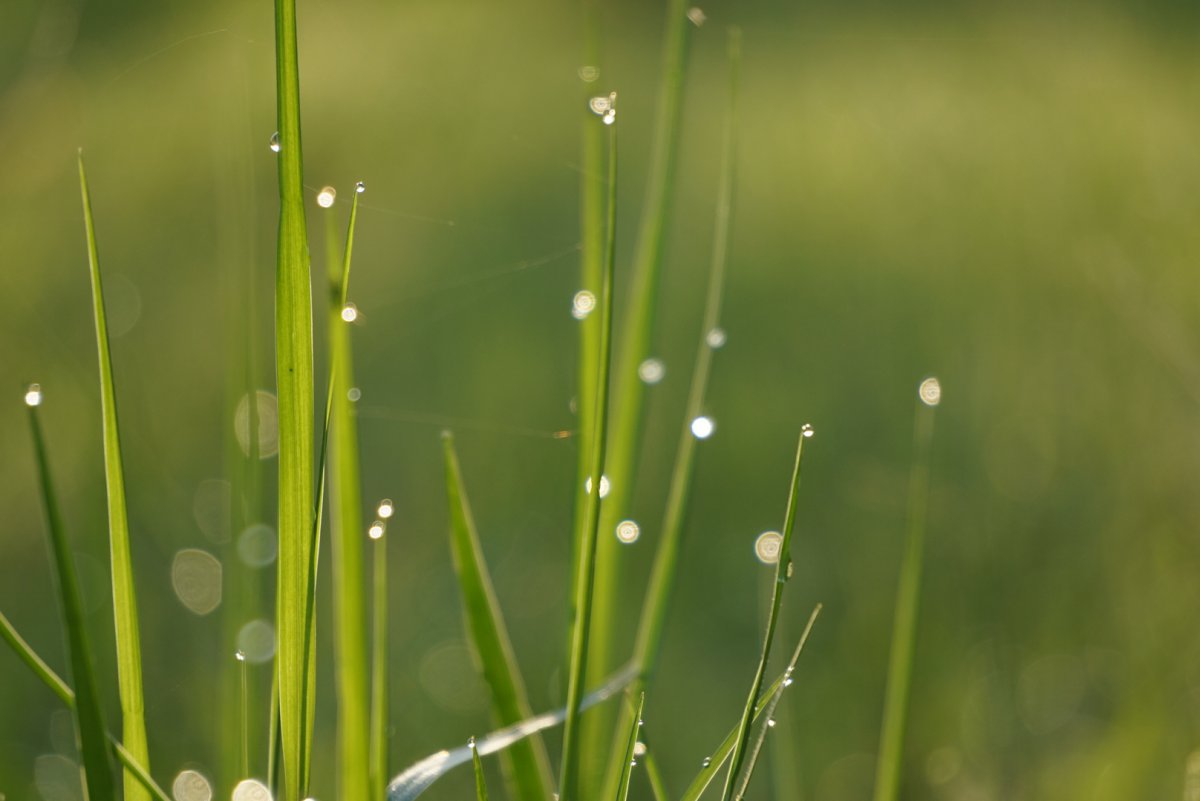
294	386
351	666
782	571
529	765
582	601
418	777
67	696
379	680
629	761
129	651
908	598
481	793
762	709
89	721
666	559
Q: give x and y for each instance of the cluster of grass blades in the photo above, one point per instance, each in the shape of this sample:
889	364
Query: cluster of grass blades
589	768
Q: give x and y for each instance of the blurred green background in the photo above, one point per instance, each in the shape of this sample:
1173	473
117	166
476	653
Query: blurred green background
1005	197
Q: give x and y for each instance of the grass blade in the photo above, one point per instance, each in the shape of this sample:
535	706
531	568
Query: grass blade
762	710
528	762
89	721
480	783
586	553
294	386
378	765
658	788
783	569
908	599
418	777
666	559
67	696
129	651
345	528
630	750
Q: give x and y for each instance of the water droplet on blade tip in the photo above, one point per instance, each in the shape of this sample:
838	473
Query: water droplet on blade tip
326	197
33	395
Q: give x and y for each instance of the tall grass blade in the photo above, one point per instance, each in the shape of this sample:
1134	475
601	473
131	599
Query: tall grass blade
351	666
67	696
631	750
662	577
481	793
528	762
294	386
908	599
378	766
129	651
89	722
582	602
418	777
658	787
762	712
783	569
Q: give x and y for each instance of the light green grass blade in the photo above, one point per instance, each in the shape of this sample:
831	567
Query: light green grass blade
294	387
379	677
346	531
666	559
528	763
418	777
67	696
762	710
908	599
481	793
629	760
783	570
658	787
98	778
582	601
129	650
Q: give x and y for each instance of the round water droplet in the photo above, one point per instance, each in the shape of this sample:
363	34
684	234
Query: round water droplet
703	427
196	579
770	723
273	142
788	682
191	786
360	187
930	391
33	395
807	431
604	486
257	545
251	790
376	530
589	74
651	371
385	509
610	116
471	743
639	748
582	304
239	656
349	312
354	394
706	762
696	16
715	338
326	197
767	546
628	532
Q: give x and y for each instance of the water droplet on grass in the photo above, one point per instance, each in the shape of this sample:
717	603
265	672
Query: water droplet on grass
386	509
715	338
604	486
360	187
930	391
326	197
349	312
767	546
582	304
33	395
807	431
628	532
376	530
703	427
273	142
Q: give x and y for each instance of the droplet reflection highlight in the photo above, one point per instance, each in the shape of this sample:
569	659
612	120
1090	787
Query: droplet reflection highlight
651	371
930	391
273	142
349	312
703	427
386	509
33	395
716	338
326	197
191	786
582	304
604	486
766	547
628	531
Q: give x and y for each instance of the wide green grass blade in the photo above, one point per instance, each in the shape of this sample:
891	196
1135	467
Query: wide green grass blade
762	711
481	793
378	766
294	387
908	599
629	760
351	666
528	762
783	570
89	721
586	552
647	644
67	696
129	650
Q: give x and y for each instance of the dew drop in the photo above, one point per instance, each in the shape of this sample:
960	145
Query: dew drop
239	655
360	187
770	723
471	743
633	763
696	16
33	395
610	116
703	427
273	143
807	431
349	312
767	546
628	532
604	486
589	74
326	197
582	304
386	509
788	681
639	748
376	530
715	338
707	761
930	391
651	371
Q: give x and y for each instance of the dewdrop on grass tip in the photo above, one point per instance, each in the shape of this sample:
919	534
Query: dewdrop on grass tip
376	530
386	509
349	312
703	427
930	391
326	197
33	395
273	142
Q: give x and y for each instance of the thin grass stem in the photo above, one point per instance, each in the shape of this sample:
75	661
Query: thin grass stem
630	759
481	793
378	766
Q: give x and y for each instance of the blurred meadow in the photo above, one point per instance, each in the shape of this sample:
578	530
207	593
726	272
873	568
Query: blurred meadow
1005	196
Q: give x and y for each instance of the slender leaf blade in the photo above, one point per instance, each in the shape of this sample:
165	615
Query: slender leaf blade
481	793
379	675
631	750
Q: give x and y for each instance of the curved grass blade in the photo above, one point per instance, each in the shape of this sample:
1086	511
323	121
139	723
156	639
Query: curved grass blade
480	783
294	387
129	650
783	569
418	777
908	600
89	721
67	696
630	750
582	601
666	559
528	761
762	712
379	682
